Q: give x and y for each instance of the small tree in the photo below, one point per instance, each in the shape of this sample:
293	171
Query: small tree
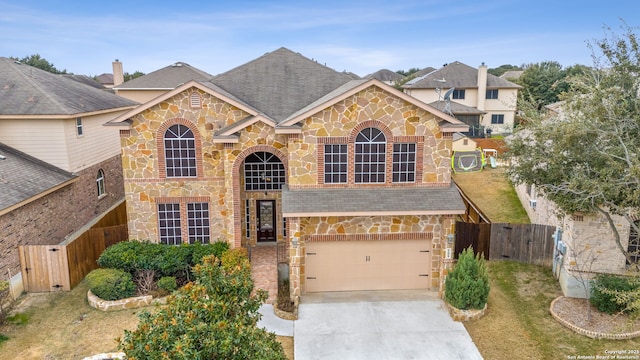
467	286
214	317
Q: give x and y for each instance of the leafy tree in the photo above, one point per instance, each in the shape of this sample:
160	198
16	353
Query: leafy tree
467	286
408	72
36	60
214	317
540	83
586	158
128	76
503	69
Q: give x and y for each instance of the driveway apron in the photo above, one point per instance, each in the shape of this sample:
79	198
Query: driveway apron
379	325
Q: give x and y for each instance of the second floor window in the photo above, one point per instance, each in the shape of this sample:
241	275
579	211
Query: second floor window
335	163
370	156
263	171
79	129
492	94
180	152
458	94
100	183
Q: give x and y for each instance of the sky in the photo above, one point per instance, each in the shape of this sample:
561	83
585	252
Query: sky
85	37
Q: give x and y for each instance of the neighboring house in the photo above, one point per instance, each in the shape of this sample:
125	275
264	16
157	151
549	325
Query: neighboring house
462	142
60	168
489	101
512	75
587	240
352	175
154	84
386	76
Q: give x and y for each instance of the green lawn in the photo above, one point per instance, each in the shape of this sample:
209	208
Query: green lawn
518	324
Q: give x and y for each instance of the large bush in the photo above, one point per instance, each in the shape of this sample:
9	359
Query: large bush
214	317
111	284
163	260
613	294
467	285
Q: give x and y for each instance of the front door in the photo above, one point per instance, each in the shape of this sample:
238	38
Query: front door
266	220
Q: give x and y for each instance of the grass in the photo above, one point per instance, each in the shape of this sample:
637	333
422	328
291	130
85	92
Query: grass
494	194
518	325
63	326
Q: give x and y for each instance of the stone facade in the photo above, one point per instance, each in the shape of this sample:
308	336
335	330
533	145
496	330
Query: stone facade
220	180
55	217
590	243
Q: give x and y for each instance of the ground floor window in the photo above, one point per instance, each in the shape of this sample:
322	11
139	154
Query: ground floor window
634	243
180	217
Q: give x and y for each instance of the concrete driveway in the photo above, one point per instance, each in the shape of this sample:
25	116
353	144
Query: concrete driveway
379	325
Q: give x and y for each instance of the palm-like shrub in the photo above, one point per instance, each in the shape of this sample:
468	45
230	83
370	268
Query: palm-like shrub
467	286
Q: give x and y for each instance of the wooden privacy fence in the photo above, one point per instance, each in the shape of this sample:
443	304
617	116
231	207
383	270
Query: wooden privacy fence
48	268
529	243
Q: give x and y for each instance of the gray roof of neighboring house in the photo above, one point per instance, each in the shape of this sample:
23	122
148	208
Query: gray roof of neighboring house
424	71
23	177
457	108
385	75
512	74
281	82
168	77
401	200
457	75
84	79
105	79
26	90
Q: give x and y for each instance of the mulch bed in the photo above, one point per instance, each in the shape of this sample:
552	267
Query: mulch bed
575	311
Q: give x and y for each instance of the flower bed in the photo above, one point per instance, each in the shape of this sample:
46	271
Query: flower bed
465	315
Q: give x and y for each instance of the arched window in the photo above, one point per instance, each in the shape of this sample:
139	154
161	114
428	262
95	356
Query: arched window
100	183
180	152
263	171
370	156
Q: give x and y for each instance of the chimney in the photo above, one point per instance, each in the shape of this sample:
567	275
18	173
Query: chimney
482	86
118	74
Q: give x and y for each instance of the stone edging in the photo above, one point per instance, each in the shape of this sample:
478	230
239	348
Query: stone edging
465	315
108	356
285	314
122	304
589	333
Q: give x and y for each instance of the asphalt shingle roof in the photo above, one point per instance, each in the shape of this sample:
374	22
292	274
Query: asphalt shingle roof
385	75
169	77
457	108
23	177
457	75
410	200
281	82
26	90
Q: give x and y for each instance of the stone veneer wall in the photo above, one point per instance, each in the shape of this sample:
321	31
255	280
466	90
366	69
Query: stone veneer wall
52	218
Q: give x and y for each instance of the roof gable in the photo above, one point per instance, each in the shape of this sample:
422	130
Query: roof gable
26	90
457	75
281	82
168	77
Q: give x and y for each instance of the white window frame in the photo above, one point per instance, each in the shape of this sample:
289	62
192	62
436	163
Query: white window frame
198	223
169	225
336	163
177	164
404	162
370	157
100	183
79	127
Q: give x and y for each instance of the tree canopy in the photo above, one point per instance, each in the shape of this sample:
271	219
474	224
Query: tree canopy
500	70
585	157
38	61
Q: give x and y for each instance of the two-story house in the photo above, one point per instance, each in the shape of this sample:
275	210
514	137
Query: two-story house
351	174
60	168
481	100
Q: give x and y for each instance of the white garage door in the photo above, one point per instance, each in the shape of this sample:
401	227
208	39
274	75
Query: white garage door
368	265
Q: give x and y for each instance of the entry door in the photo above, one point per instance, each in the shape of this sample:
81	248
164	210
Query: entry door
266	220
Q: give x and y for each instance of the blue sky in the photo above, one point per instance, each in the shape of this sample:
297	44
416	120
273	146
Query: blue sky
84	37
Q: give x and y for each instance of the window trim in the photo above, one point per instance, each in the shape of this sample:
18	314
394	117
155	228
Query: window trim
492	94
497	119
410	162
162	172
339	168
101	184
79	127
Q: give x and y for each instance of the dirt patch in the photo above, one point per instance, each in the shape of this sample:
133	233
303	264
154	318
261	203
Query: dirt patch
576	312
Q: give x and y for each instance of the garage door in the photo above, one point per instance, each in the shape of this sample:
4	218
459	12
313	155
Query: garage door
368	265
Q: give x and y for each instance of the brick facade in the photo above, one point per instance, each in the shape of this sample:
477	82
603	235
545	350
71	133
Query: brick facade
51	219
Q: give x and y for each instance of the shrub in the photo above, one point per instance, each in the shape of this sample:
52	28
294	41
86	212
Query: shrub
198	251
214	317
613	293
467	286
168	283
111	284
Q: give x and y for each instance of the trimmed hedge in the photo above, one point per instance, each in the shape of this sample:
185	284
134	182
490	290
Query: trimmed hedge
165	260
111	284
